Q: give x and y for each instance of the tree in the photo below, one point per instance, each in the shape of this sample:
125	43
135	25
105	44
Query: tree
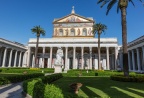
99	28
121	5
38	31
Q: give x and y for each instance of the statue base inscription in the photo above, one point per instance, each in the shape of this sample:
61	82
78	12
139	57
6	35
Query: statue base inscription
58	68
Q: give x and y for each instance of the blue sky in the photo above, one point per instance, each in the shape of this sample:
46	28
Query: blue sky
17	17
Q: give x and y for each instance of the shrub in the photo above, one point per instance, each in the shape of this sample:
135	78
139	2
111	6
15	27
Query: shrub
0	70
130	78
4	81
28	70
28	85
18	78
51	78
96	74
52	91
36	88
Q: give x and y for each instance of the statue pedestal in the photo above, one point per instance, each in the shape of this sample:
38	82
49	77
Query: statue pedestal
58	68
65	70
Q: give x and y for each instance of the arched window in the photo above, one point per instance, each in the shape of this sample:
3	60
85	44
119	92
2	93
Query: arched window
84	32
61	32
72	32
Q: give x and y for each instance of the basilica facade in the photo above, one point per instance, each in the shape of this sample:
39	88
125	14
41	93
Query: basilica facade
74	34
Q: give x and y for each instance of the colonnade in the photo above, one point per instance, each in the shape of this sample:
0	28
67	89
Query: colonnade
10	57
136	59
109	58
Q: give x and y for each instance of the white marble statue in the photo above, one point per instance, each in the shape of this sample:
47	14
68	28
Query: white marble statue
59	56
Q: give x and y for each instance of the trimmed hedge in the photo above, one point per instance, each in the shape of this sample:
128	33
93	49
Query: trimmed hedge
28	70
4	81
51	78
130	78
37	88
78	72
51	91
18	78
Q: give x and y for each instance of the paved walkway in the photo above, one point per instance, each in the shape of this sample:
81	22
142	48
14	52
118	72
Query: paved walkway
11	91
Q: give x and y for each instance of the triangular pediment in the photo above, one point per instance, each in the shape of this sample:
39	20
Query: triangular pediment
72	18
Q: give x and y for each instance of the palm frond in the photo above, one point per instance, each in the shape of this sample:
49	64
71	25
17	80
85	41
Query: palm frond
99	28
110	5
104	2
38	30
101	1
132	2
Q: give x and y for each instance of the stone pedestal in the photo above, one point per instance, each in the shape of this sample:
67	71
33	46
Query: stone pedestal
58	68
65	70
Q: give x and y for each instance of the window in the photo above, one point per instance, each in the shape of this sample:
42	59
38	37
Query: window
72	32
61	32
84	32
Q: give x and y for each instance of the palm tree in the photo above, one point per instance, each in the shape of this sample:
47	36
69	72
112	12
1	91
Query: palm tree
38	31
99	28
122	5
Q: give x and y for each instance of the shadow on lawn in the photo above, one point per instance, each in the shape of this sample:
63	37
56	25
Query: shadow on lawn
88	92
98	86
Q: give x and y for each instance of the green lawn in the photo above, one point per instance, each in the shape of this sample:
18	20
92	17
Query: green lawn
97	87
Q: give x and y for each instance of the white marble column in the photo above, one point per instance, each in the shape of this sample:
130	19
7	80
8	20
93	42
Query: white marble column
0	56
66	51
107	58
90	53
15	59
10	58
28	59
82	58
129	60
68	63
116	55
24	59
43	57
143	58
47	62
74	49
138	59
133	60
20	59
4	57
121	59
33	61
50	62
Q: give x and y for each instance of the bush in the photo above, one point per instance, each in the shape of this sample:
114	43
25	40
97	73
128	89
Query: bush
96	74
0	70
35	87
18	78
51	78
28	85
4	81
77	72
130	78
39	89
52	91
28	70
